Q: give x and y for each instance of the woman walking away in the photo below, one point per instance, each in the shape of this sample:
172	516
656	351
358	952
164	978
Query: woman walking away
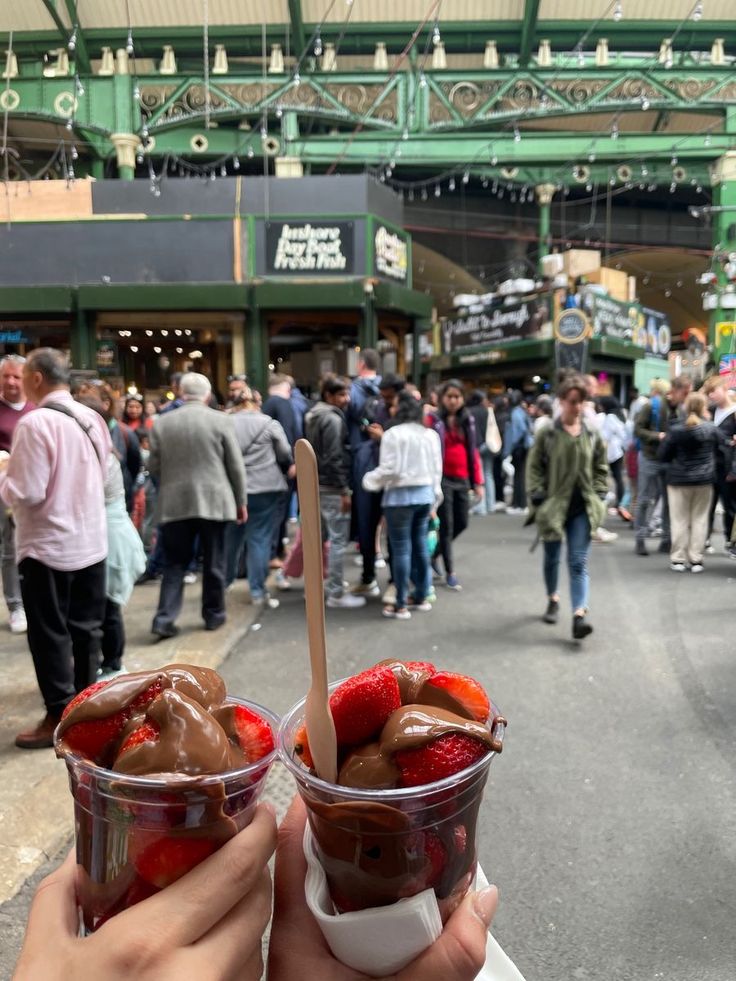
567	483
690	449
723	408
461	471
517	441
409	472
268	461
612	427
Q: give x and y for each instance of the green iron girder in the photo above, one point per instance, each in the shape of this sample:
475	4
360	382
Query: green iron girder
81	55
438	120
361	38
298	34
528	29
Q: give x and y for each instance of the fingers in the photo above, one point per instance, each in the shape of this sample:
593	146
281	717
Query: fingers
460	952
291	865
186	910
236	941
52	921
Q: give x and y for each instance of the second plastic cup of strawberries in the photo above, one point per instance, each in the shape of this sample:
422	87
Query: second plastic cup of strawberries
414	748
164	767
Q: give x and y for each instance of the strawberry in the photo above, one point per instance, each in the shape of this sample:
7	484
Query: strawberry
254	734
161	861
467	691
436	855
440	758
148	732
301	747
95	738
361	705
82	696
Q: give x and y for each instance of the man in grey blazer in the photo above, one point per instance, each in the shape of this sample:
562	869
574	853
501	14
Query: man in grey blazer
199	467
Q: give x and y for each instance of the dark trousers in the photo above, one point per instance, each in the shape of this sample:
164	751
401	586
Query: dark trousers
113	636
453	515
518	458
280	517
65	612
617	472
725	492
179	538
367	509
499	477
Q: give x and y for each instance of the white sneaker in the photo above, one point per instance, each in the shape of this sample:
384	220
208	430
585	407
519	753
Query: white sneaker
367	589
499	506
345	602
17	621
604	536
282	581
380	562
517	510
696	567
680	567
389	595
190	578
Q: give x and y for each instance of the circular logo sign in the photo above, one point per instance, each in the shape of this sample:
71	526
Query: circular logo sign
571	326
9	99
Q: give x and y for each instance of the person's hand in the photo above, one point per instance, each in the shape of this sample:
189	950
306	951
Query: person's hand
208	924
291	472
345	503
375	431
661	436
298	949
242	515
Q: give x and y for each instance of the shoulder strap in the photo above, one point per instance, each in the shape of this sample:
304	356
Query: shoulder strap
85	429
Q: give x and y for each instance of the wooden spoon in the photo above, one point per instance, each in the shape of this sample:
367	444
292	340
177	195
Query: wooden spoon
317	715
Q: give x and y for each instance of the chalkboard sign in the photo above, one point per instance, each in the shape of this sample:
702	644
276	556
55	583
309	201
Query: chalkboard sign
305	248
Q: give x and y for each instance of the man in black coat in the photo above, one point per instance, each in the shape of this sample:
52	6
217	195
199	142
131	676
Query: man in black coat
327	431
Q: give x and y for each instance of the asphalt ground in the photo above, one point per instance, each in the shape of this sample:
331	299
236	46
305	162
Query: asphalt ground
609	822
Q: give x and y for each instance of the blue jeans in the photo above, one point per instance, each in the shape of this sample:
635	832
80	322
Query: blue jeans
337	525
577	531
262	513
407	532
487	505
234	543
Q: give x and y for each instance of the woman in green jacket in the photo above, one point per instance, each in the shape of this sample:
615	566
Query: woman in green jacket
567	481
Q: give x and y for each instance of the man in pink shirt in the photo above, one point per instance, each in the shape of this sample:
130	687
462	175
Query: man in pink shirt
53	481
13	405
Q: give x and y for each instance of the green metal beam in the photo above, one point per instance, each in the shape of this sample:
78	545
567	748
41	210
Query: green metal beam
298	34
81	55
50	6
528	27
361	38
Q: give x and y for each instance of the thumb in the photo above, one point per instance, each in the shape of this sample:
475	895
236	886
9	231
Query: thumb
460	951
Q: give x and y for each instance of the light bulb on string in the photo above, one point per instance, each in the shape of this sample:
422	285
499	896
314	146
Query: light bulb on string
213	175
129	43
451	184
70	173
423	194
422	80
591	158
236	163
707	141
136	93
437	190
673	187
517	135
70	124
646	280
466	176
644	103
250	151
494	160
72	42
79	86
668	293
581	58
673	162
223	171
405	134
697	11
614	131
484	182
436	36
588	187
618	11
317	45
75	153
698	189
297	80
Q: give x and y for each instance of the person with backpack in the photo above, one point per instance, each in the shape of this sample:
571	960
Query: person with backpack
326	429
650	428
567	483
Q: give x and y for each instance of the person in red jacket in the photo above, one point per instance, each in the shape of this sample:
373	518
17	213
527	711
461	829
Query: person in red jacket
461	472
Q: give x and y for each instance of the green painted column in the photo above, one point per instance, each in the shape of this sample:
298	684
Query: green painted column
82	343
256	350
368	327
545	193
421	326
97	168
724	242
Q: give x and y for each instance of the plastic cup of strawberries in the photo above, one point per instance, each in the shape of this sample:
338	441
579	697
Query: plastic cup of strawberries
137	832
402	817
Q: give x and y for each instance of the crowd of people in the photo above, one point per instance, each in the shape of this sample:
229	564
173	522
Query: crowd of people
101	494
